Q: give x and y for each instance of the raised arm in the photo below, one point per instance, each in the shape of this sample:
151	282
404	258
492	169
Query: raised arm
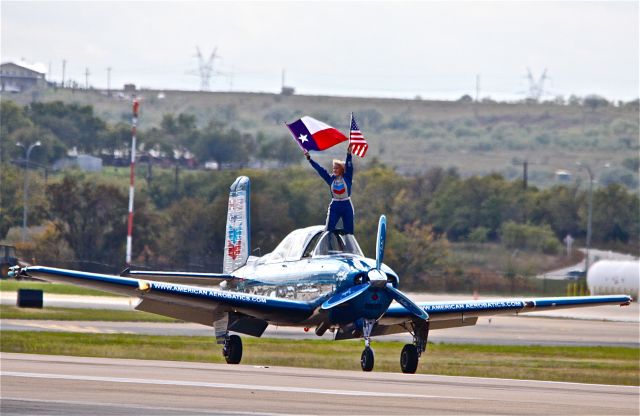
321	171
348	172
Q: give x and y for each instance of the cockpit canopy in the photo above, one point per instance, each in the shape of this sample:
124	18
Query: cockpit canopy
314	242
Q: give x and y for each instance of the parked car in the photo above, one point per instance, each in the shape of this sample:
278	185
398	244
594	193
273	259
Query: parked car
576	274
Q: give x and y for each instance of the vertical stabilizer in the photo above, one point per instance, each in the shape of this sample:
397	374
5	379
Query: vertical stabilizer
237	244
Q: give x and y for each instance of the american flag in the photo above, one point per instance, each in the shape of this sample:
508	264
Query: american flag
357	141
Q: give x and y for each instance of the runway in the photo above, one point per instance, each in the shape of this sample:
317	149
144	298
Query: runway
59	385
499	330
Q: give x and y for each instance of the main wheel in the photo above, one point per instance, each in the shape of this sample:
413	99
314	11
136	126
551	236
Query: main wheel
233	350
367	359
409	359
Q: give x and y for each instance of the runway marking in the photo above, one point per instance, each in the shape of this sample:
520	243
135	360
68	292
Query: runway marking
140	407
231	386
73	328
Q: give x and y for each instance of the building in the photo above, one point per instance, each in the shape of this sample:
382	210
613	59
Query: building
18	78
85	163
563	175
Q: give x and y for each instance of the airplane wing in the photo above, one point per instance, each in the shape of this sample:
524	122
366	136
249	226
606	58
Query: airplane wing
187	278
190	303
466	313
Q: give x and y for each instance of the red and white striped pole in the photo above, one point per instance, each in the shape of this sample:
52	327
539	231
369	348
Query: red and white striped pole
134	123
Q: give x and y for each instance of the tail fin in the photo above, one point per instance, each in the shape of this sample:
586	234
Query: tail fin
237	245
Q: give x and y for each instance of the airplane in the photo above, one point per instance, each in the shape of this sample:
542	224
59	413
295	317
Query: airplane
313	278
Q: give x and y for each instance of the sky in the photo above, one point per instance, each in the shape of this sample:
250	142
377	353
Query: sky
435	50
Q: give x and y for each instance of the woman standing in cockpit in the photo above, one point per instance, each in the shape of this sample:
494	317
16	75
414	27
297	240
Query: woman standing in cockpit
340	187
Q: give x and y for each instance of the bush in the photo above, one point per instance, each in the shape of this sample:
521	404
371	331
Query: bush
530	237
479	235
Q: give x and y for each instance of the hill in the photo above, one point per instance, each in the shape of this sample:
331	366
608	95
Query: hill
415	135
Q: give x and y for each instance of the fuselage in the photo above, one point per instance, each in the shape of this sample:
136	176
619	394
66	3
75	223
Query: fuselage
303	268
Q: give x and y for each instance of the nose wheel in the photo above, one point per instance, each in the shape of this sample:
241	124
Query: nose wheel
367	358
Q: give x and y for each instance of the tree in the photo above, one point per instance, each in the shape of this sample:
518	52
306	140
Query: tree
75	125
223	146
463	205
558	207
194	235
12	118
593	102
616	214
92	218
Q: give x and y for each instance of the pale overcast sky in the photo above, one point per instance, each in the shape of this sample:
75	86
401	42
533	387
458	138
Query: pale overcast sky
384	49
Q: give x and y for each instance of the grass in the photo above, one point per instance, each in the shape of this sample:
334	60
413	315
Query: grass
73	314
53	288
602	365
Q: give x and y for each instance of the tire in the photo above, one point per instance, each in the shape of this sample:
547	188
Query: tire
409	359
367	359
233	350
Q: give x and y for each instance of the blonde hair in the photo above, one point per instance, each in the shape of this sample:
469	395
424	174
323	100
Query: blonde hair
339	163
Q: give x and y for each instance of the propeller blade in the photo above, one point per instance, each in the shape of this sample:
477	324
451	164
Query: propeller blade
345	296
382	236
408	304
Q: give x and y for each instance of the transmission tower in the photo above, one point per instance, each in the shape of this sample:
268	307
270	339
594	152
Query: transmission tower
536	88
205	69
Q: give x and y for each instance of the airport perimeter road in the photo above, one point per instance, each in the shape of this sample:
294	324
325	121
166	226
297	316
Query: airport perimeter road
58	385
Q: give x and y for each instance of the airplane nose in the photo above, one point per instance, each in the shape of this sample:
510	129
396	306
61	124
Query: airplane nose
377	278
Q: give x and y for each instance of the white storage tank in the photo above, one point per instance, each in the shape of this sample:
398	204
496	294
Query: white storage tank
607	277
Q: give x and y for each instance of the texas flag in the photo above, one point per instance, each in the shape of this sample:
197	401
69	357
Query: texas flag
312	134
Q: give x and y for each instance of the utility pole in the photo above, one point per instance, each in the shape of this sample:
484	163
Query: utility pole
589	214
26	186
109	81
64	67
205	68
86	77
132	172
536	89
477	101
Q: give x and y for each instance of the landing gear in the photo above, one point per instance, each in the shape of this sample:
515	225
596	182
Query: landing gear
367	358
411	352
409	359
232	349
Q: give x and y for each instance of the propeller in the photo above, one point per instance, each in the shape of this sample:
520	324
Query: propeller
377	278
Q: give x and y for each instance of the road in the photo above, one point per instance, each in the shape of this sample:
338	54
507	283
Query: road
59	385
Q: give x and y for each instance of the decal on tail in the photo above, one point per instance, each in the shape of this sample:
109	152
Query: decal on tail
237	244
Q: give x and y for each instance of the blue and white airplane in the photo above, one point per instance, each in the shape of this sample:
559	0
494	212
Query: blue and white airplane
314	278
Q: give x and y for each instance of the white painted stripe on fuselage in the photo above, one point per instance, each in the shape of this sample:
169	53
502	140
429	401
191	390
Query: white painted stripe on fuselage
184	383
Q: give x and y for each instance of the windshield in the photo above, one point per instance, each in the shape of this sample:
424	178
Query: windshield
337	243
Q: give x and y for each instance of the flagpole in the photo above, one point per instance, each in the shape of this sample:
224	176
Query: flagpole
350	120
